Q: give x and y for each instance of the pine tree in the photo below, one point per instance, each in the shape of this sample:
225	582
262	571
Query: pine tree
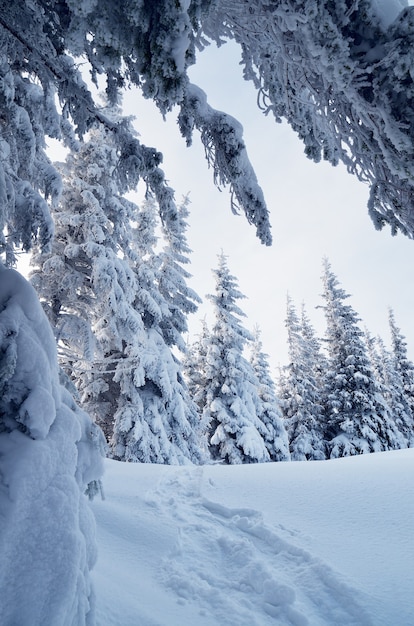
301	394
233	407
87	287
391	386
276	440
173	276
358	419
157	422
102	275
403	370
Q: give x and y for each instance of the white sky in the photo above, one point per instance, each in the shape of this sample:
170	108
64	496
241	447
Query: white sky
315	210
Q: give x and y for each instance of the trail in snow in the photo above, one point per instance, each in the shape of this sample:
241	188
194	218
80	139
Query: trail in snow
292	544
242	571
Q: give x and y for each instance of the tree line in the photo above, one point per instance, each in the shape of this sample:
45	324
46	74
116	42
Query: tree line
114	287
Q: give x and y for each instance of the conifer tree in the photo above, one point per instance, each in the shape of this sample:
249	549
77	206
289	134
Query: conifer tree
86	286
159	423
276	440
357	416
180	298
301	394
391	387
131	381
232	406
403	370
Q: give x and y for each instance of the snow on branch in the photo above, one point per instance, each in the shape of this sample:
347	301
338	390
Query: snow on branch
342	77
222	137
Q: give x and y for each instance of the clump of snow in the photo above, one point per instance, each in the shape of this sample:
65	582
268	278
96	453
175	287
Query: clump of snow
49	456
317	543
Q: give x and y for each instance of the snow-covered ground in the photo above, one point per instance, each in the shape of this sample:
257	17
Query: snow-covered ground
301	543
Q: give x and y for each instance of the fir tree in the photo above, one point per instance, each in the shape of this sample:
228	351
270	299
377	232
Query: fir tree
301	394
391	386
232	407
276	439
102	275
180	298
403	370
357	416
158	421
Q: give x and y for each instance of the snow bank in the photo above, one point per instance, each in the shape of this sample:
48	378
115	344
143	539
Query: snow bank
49	454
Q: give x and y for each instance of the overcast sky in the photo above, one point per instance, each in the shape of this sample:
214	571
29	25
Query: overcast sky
315	210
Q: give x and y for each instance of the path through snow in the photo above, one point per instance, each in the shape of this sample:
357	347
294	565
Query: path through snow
181	546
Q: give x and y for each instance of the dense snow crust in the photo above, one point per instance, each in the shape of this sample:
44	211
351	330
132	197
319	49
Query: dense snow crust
321	543
49	456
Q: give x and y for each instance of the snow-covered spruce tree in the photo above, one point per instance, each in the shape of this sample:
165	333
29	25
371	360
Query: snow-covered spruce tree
102	277
50	455
276	440
148	45
340	74
156	421
391	387
301	394
357	416
194	366
403	370
87	287
233	407
172	279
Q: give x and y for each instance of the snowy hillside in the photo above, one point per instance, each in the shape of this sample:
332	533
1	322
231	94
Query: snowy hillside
293	544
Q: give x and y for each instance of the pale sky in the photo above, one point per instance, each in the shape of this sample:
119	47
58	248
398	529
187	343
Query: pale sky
315	211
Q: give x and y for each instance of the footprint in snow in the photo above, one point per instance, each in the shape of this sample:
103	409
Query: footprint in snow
239	569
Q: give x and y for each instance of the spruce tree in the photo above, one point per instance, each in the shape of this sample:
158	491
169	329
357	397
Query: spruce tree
391	387
157	422
403	375
301	394
232	407
173	277
276	439
357	416
102	275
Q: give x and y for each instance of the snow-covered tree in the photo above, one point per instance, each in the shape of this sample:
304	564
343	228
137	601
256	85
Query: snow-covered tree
403	375
301	393
391	387
50	455
102	277
194	365
172	281
157	420
148	45
276	439
339	73
357	416
86	286
233	407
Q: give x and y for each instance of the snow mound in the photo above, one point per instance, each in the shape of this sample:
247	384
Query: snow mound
49	453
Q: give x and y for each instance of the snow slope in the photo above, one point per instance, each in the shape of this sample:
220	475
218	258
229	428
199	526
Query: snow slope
301	543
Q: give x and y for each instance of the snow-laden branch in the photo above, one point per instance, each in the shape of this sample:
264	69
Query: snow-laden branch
222	137
341	75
